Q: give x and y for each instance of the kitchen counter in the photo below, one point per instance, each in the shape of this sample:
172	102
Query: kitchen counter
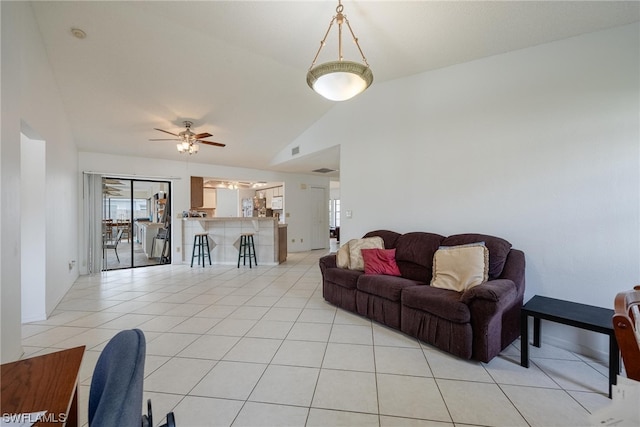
145	232
224	237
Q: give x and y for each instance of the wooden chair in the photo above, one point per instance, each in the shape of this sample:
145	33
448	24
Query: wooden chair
125	226
107	226
626	324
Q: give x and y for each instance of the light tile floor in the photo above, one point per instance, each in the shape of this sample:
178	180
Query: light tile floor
260	347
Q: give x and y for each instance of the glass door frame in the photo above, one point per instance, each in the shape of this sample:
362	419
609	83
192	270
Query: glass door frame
129	185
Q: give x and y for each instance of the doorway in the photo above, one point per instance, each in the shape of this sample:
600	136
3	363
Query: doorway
319	219
136	223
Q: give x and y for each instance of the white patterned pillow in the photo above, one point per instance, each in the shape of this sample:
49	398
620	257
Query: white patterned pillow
356	262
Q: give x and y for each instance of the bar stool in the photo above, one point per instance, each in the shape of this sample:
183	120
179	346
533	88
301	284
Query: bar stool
201	241
247	249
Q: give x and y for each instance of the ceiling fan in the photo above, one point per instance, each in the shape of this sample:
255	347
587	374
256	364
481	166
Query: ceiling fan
188	139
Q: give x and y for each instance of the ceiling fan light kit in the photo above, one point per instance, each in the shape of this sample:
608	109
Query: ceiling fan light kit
187	147
187	139
339	80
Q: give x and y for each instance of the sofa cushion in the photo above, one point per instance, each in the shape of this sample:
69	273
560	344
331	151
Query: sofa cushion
380	261
414	254
498	249
443	303
460	267
356	262
388	287
389	237
342	277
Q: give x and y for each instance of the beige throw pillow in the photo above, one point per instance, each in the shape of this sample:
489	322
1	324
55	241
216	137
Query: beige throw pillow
460	267
356	262
342	257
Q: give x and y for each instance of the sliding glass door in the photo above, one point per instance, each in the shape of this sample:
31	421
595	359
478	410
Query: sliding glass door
136	223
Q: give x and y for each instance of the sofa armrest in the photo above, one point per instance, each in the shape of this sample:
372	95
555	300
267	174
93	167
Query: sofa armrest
495	314
493	290
328	261
514	269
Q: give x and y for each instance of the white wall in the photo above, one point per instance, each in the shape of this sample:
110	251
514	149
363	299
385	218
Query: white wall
31	102
178	173
10	336
334	192
33	230
539	146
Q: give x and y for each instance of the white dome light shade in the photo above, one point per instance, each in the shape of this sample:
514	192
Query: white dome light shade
339	80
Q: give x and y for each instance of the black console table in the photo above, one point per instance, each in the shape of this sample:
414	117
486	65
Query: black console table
591	318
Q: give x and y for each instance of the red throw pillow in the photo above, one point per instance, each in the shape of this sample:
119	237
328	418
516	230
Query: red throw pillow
380	261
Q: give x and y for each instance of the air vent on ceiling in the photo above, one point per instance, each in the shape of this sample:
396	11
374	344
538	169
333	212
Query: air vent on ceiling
295	150
323	170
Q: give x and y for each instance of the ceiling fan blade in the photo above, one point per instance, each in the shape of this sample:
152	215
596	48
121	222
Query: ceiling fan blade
165	139
202	135
215	144
112	181
166	131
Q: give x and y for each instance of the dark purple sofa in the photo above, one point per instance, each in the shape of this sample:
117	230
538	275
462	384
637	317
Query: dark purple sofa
474	324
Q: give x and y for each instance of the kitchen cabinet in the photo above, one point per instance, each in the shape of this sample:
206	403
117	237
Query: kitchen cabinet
276	203
147	231
209	198
270	193
197	195
282	243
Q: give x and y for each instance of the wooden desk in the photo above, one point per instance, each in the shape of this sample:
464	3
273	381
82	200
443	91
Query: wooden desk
581	316
48	382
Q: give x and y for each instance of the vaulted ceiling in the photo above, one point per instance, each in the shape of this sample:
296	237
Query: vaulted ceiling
237	68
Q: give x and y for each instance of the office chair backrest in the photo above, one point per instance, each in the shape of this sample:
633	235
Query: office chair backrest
626	324
115	397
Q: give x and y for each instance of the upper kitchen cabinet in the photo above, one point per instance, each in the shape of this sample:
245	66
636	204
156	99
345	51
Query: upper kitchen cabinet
209	197
197	195
270	193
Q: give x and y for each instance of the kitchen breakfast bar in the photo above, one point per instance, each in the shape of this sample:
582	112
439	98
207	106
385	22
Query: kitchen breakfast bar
224	238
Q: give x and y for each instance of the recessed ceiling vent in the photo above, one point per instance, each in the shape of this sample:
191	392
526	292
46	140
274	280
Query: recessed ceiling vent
324	170
295	150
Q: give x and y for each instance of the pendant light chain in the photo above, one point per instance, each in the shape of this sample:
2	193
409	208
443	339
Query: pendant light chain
340	18
322	43
355	40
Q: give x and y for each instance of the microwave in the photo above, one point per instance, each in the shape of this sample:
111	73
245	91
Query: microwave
276	202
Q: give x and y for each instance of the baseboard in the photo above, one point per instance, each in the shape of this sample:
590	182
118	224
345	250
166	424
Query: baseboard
575	347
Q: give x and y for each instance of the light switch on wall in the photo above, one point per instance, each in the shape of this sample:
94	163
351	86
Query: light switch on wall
348	214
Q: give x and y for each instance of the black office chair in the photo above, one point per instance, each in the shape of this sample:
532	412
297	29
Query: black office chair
115	396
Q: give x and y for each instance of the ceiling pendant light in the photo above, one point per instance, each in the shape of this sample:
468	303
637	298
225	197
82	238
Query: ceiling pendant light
187	147
339	80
